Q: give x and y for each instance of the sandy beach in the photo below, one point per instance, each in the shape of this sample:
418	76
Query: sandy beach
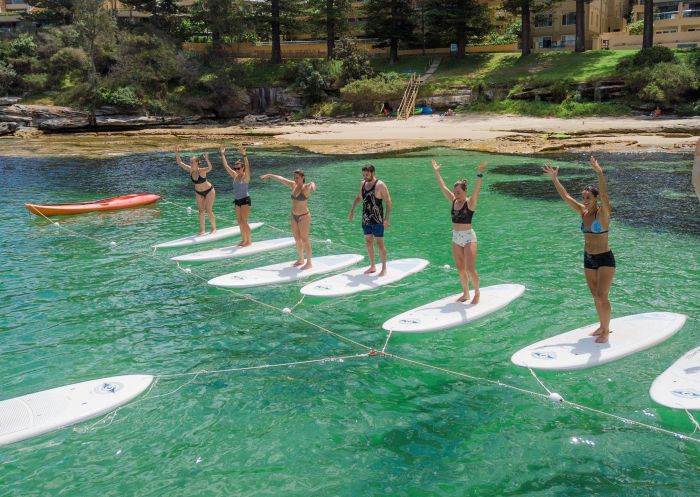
483	132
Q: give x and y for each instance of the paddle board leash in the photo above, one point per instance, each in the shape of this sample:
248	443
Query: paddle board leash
370	352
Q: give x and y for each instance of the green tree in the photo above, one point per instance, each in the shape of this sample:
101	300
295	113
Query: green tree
580	45
222	18
458	20
163	13
525	9
97	29
273	17
648	38
332	16
57	11
391	21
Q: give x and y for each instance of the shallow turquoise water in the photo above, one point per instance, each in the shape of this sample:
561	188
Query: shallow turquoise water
75	308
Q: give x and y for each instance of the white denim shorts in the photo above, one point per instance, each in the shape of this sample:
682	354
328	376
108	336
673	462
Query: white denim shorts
463	238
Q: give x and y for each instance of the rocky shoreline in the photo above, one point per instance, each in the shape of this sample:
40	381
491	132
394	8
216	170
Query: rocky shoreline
51	130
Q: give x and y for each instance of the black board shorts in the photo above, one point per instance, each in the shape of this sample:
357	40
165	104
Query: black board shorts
242	201
595	261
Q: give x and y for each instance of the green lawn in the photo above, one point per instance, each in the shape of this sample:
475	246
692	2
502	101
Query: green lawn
537	67
415	63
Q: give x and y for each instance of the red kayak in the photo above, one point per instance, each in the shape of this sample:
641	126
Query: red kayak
108	204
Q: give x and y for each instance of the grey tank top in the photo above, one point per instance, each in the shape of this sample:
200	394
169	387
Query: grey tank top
240	189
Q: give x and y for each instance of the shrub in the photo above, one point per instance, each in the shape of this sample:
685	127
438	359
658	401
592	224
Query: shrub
7	76
70	63
308	79
636	28
35	82
366	94
355	64
123	98
652	56
22	46
663	83
330	109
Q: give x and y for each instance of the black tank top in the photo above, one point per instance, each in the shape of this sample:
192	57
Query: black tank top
372	207
462	216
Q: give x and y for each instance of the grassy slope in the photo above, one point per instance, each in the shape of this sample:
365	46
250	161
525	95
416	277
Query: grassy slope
537	67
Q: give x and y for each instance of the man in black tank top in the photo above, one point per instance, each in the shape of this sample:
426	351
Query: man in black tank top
373	194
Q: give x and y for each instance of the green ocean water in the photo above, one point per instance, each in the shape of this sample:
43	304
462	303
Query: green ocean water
75	308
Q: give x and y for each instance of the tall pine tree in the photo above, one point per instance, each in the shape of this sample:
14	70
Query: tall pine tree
391	21
332	18
457	20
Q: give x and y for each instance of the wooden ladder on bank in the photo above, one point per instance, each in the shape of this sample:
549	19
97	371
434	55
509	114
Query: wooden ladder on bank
408	102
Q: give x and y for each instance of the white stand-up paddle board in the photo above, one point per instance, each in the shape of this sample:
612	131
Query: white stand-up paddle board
576	349
235	251
356	281
448	313
679	386
31	415
284	272
206	238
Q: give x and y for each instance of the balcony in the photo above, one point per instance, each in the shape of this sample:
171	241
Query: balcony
15	5
691	13
665	15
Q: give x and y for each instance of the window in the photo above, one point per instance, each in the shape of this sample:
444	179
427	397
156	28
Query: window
567	40
543	20
545	42
568	19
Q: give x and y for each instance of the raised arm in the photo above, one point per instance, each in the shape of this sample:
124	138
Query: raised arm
310	187
357	200
246	163
280	179
387	201
602	187
179	161
222	152
441	182
477	185
209	167
552	173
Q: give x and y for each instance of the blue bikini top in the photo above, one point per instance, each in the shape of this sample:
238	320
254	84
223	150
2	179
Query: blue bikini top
596	228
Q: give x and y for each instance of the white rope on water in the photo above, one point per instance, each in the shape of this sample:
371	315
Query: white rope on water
373	352
692	420
539	381
543	396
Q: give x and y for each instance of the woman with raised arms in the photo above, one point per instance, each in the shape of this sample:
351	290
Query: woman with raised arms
464	243
240	172
598	259
300	218
204	191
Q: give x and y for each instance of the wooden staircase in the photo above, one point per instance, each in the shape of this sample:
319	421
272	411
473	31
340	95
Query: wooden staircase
408	102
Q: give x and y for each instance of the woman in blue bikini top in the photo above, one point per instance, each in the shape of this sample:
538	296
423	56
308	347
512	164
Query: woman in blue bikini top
598	259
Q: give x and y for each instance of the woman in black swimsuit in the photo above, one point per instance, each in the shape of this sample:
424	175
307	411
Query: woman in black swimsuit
204	191
301	216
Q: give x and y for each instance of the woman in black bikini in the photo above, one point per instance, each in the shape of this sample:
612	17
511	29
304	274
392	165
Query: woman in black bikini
301	216
204	191
598	259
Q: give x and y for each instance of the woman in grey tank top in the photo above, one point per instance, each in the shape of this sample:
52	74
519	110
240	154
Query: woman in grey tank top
240	172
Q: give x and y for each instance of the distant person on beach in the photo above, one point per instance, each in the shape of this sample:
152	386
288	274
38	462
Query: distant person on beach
598	259
300	218
696	170
240	172
387	109
204	191
449	113
373	193
657	113
464	243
